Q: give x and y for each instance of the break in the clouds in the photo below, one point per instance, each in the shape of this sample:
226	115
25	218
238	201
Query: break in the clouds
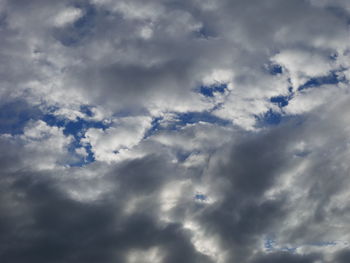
163	131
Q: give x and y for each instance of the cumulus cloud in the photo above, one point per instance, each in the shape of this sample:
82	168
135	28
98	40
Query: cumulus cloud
67	16
174	131
123	135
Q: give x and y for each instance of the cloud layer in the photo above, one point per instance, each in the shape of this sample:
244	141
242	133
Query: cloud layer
174	131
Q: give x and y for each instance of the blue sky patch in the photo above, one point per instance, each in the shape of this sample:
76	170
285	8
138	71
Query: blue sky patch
275	69
80	161
155	126
269	244
324	244
194	117
302	154
77	129
209	91
182	119
15	115
182	155
204	33
269	118
86	109
281	101
324	80
200	197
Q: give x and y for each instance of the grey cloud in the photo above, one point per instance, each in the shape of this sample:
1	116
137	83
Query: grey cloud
120	69
44	222
244	216
287	258
41	223
342	256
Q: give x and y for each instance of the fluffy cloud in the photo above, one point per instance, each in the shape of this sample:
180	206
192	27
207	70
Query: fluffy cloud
123	135
67	16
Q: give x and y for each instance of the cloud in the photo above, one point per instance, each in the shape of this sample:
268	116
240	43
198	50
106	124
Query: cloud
67	16
123	135
174	131
285	257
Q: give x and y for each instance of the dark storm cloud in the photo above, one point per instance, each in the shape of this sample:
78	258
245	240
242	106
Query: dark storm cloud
243	215
286	258
254	162
41	223
342	256
45	224
134	178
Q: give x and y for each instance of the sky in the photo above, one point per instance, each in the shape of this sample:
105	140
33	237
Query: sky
167	131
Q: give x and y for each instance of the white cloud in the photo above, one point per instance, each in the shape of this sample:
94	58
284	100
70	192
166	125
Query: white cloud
123	135
43	146
303	65
67	16
308	100
152	255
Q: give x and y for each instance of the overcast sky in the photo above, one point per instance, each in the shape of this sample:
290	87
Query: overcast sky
175	131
